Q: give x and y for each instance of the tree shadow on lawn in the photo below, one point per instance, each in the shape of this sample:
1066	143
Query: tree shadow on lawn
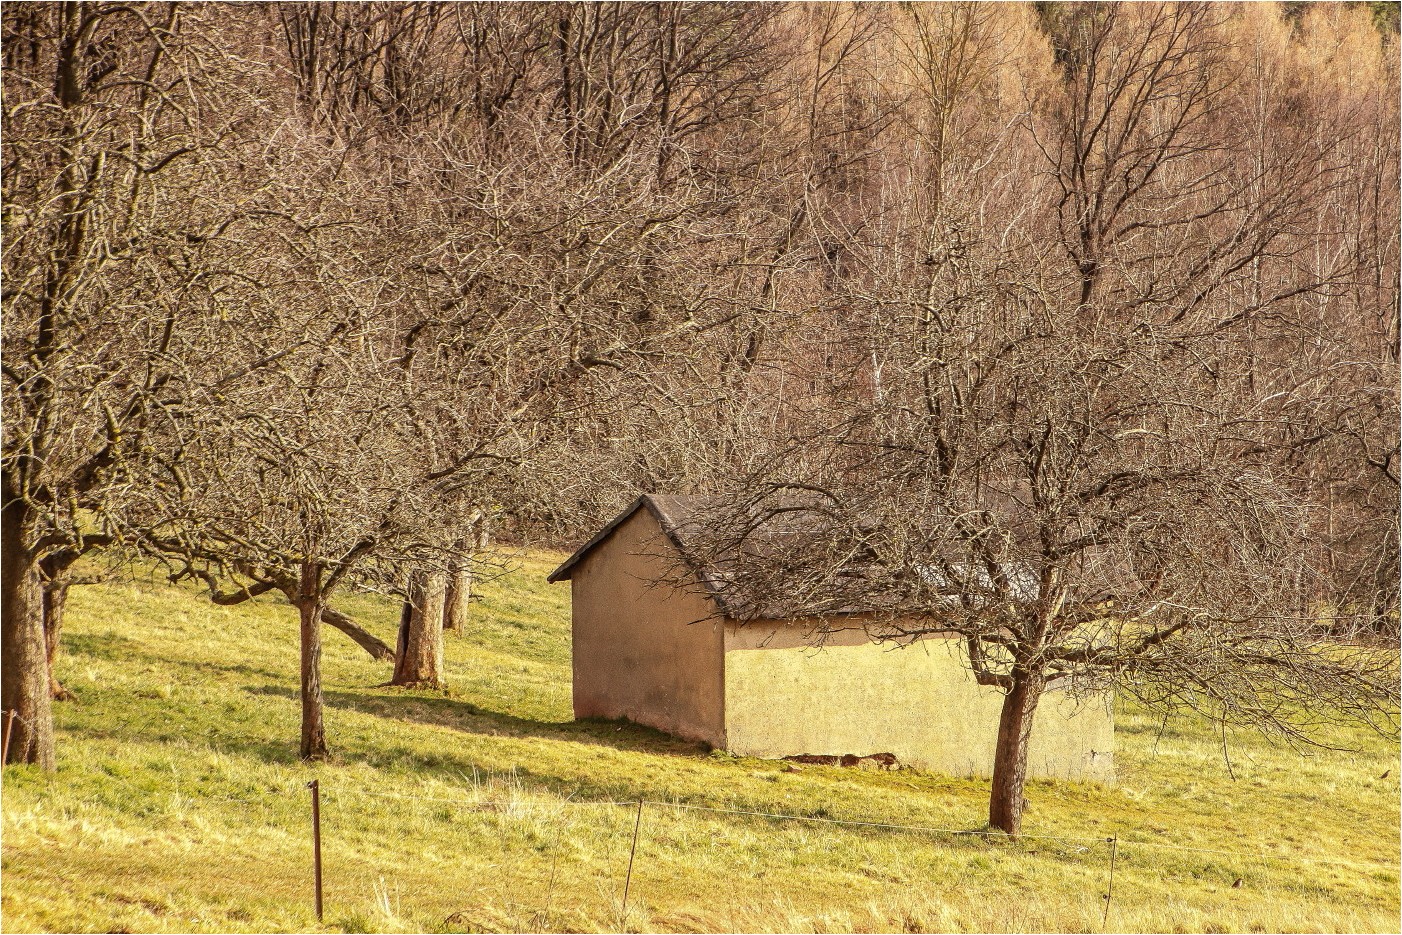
411	705
690	778
619	736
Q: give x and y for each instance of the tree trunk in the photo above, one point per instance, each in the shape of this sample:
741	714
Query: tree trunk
310	609
455	604
55	598
372	644
420	661
1010	757
24	672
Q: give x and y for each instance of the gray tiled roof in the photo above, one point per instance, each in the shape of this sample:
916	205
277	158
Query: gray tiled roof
728	578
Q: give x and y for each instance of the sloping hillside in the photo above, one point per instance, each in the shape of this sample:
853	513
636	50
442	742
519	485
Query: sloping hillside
179	805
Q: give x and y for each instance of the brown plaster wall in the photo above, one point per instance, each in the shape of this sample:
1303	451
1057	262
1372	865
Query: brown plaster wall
638	654
919	702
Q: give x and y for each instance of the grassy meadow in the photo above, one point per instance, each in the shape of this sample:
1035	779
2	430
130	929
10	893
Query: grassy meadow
179	805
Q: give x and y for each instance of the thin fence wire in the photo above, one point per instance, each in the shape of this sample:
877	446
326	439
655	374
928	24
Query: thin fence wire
984	834
359	877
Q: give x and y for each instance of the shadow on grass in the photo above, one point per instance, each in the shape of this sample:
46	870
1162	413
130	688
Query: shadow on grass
416	707
136	718
440	711
593	771
693	778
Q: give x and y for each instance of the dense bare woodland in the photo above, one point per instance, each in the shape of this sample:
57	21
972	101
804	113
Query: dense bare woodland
1072	328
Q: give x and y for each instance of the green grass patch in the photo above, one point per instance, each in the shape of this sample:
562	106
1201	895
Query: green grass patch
179	804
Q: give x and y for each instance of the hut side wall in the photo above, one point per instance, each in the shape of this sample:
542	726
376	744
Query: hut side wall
919	702
638	654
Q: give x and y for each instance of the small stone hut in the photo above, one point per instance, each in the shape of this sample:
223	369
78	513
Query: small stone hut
656	652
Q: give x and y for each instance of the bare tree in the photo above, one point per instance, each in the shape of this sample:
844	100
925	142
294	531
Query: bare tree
116	249
1044	304
309	477
1052	456
419	660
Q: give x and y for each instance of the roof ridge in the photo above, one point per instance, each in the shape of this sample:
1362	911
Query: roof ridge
657	506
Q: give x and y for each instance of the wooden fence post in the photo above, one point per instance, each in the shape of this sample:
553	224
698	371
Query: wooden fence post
9	727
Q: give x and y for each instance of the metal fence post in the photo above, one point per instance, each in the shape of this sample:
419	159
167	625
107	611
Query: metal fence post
315	786
628	879
1114	843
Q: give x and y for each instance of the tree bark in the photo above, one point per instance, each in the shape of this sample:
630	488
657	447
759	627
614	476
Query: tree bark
372	644
455	604
310	609
55	599
420	661
1006	801
24	674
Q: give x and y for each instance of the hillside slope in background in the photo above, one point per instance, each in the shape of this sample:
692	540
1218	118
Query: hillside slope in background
179	804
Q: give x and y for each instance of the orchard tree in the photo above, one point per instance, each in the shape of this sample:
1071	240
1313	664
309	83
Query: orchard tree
128	212
310	481
1050	449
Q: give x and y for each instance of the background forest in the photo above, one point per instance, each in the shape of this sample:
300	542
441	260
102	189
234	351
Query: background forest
302	297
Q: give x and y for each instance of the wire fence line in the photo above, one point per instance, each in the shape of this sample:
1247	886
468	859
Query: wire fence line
985	834
1114	847
623	857
298	790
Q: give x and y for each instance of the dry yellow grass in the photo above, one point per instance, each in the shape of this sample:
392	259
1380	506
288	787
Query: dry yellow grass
179	805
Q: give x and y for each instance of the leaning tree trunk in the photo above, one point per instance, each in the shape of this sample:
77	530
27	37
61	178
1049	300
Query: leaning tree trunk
420	660
55	599
309	609
1010	757
377	648
455	603
24	671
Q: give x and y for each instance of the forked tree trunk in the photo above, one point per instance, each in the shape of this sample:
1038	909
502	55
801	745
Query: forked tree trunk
309	609
455	604
420	650
1006	800
55	598
24	670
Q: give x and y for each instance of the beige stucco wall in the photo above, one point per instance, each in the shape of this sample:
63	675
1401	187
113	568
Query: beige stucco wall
638	652
918	702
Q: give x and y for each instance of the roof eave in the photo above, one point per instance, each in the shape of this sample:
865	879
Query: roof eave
567	567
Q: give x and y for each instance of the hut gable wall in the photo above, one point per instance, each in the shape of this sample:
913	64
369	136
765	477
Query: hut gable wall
639	652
